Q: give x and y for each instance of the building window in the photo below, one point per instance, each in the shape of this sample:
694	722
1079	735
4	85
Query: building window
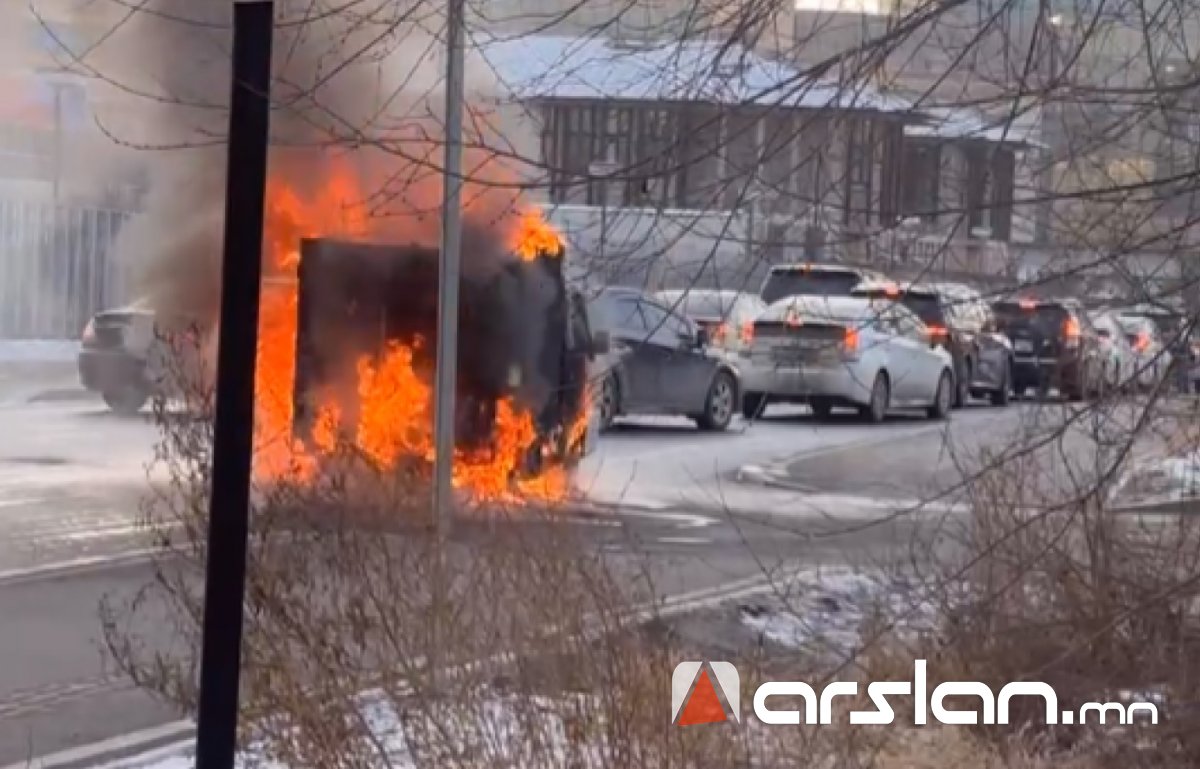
919	185
654	154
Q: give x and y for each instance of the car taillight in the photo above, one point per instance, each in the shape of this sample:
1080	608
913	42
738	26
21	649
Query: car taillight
747	334
1141	342
939	334
1071	332
850	344
89	331
793	317
719	333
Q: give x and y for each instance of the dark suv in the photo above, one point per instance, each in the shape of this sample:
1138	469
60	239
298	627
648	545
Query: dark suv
1054	345
981	357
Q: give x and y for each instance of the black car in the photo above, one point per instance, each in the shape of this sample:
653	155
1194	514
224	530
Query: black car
1054	345
663	364
805	279
982	358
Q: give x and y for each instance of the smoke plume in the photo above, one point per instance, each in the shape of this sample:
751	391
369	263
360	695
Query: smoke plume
356	131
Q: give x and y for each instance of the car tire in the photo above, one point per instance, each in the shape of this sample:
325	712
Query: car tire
753	405
962	393
1000	396
821	408
942	397
881	395
127	400
610	402
719	403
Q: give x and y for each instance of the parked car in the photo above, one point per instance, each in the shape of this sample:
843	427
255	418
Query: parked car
804	279
1054	345
126	355
866	354
1118	360
664	363
726	316
982	358
1152	357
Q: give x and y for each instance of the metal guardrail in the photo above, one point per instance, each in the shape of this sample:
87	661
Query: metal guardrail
56	267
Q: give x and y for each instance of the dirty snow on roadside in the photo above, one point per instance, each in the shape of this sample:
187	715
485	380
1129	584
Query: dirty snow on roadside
504	730
826	617
1160	479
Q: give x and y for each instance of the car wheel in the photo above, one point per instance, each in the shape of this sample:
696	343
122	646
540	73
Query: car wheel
753	405
881	394
962	393
128	400
719	405
821	408
942	397
1000	396
610	401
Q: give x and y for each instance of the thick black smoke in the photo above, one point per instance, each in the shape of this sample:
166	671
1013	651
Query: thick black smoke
357	91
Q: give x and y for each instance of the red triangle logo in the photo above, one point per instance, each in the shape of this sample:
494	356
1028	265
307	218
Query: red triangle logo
703	707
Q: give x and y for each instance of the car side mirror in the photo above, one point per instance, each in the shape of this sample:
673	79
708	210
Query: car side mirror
601	343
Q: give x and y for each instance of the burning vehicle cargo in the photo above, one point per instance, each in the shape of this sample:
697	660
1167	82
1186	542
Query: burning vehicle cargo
365	356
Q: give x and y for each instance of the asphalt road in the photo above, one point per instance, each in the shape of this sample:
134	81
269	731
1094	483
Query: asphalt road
682	509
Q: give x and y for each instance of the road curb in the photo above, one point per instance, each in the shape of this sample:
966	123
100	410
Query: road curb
115	750
77	567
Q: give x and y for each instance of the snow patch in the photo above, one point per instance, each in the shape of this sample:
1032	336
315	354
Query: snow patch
1160	479
38	350
509	730
827	616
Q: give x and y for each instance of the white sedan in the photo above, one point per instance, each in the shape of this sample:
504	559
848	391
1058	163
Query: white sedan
1153	360
1119	360
869	354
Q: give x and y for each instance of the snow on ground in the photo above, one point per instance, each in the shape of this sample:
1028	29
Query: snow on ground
38	350
827	616
498	731
1160	478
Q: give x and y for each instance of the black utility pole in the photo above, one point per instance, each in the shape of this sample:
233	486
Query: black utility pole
233	438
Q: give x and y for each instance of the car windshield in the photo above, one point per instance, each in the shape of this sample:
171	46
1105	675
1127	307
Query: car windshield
782	283
1046	319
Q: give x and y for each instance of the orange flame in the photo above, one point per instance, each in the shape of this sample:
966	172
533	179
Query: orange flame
393	421
534	236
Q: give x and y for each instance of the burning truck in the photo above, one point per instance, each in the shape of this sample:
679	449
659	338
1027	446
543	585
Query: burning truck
347	353
524	352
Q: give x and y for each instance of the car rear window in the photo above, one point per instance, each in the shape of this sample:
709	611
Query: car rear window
924	306
698	304
1046	319
602	313
799	282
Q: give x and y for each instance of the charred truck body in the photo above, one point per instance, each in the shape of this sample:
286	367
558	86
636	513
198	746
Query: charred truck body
522	335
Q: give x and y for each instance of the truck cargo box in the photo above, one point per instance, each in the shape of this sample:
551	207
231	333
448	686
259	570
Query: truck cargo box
520	333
